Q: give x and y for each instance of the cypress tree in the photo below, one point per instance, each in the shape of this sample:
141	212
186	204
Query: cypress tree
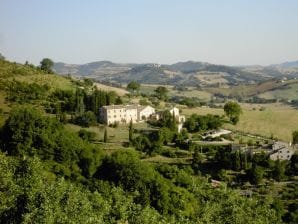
237	162
174	124
105	137
244	161
80	106
130	137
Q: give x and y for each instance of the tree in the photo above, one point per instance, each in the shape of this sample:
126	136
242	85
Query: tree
244	164
130	133
168	120
203	122
2	57
86	135
165	135
118	101
79	101
143	144
256	174
46	65
87	119
133	86
197	160
161	92
105	136
278	171
233	111
295	137
237	161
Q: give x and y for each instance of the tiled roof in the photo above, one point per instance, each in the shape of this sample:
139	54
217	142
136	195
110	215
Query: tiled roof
112	107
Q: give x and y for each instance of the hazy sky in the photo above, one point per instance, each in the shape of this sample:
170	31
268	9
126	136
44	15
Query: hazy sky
229	32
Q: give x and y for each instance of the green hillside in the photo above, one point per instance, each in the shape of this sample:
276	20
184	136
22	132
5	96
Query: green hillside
28	78
288	87
30	74
59	165
286	92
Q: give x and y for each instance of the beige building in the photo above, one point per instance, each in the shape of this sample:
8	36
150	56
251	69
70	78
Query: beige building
281	151
123	114
145	112
173	111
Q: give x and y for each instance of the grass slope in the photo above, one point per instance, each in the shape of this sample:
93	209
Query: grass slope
289	92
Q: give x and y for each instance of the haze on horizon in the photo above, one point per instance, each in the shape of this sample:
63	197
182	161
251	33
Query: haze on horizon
231	32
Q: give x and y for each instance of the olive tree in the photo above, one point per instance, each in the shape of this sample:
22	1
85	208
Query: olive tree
233	111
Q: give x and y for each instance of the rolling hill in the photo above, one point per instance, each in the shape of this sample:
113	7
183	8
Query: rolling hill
189	73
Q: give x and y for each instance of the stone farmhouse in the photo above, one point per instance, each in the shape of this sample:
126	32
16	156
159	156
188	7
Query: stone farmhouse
180	118
173	111
281	151
123	114
277	151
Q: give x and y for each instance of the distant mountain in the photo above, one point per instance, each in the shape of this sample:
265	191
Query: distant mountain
289	64
93	69
187	67
189	73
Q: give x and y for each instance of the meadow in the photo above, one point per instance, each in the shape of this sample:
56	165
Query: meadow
190	92
253	90
288	93
119	91
267	120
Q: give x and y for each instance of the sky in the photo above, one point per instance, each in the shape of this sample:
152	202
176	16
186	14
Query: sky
230	32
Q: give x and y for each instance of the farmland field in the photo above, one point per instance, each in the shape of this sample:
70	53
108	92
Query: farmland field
119	91
190	92
288	93
274	119
252	90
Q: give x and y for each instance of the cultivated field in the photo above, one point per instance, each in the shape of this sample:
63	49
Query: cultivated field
289	92
191	92
119	91
252	90
275	119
